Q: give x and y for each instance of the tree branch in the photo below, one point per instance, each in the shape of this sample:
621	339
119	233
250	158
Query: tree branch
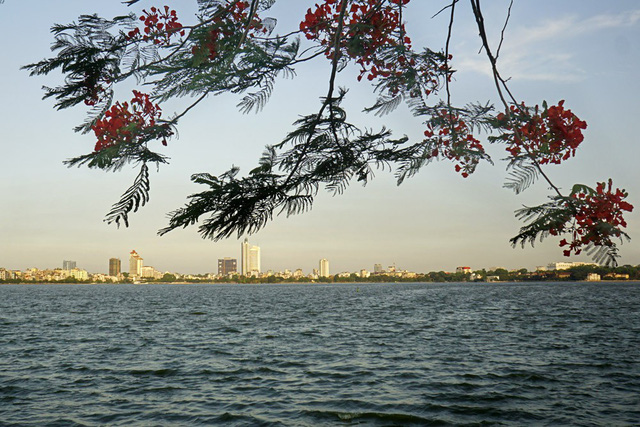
501	83
329	99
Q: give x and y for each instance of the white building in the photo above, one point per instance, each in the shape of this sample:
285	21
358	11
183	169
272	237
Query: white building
567	265
6	274
324	268
593	277
148	272
78	274
135	264
250	259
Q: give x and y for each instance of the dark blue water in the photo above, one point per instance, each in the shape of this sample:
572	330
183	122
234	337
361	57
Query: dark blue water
384	354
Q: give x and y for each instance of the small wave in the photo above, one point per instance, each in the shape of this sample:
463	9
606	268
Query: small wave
524	376
76	369
227	418
167	372
374	417
65	422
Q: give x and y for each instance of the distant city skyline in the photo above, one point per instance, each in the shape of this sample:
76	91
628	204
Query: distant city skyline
584	52
557	270
228	266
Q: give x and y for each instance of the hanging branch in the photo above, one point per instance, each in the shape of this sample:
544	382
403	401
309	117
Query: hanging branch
230	49
329	98
501	83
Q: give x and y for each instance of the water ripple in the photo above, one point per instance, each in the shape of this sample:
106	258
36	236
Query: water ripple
387	354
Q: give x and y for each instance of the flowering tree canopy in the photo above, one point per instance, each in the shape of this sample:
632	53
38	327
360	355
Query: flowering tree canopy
232	46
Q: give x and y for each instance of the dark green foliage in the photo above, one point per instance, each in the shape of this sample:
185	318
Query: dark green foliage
135	197
88	54
324	151
552	215
115	157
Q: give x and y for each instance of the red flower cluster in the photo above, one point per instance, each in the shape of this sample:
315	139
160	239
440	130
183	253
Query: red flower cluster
551	135
225	25
158	26
368	27
127	122
455	141
599	217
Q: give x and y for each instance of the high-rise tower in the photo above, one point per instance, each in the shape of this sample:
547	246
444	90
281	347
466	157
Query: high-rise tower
115	266
135	264
68	265
227	266
250	259
324	268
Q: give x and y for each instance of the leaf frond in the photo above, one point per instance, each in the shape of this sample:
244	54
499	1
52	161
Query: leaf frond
135	197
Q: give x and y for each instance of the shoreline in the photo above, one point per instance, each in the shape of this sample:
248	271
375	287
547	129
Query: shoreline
325	283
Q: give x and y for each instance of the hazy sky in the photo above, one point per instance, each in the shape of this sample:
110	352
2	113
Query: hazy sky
586	52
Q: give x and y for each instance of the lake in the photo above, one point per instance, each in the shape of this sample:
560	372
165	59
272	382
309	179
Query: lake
336	354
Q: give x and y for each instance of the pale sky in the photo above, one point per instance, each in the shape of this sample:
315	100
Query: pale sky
586	52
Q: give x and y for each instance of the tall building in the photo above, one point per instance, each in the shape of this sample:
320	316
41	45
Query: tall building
135	264
377	268
250	259
227	266
68	265
115	266
324	268
244	257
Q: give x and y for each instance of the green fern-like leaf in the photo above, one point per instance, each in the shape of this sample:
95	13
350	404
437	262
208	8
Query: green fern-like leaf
135	197
521	176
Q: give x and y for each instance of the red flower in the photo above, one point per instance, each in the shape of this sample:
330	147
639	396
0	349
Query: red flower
159	26
550	136
224	25
368	26
455	141
128	123
598	217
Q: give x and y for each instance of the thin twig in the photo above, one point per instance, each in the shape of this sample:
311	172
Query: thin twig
197	101
252	14
315	55
506	21
446	53
442	10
